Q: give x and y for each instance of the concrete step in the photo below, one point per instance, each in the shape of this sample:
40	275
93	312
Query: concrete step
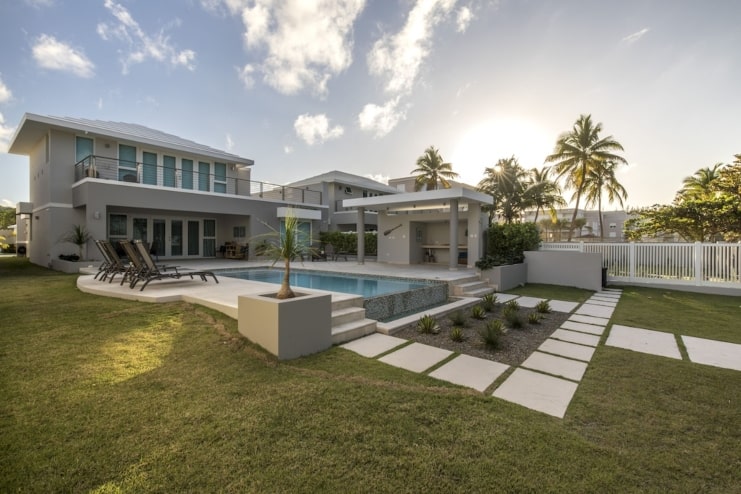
352	330
479	292
465	288
345	301
347	314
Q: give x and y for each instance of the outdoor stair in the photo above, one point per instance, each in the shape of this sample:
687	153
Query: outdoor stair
349	321
471	287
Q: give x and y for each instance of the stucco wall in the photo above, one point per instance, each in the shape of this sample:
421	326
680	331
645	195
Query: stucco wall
578	269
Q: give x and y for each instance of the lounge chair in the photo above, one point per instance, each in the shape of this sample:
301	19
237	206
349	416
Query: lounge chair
150	271
113	263
335	254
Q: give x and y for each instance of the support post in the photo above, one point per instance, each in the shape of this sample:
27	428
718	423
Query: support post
453	234
361	235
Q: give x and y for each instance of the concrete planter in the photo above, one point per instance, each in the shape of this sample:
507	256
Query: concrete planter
72	267
506	277
288	328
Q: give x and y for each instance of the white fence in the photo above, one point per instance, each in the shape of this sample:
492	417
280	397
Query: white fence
697	264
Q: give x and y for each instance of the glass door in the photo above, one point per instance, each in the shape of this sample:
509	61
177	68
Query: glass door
159	237
194	237
209	238
176	238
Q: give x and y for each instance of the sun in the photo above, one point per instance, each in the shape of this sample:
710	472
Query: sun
481	145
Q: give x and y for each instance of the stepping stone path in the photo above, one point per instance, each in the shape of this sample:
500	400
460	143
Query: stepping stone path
549	378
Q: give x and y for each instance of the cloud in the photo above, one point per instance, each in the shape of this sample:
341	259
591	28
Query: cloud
288	149
378	177
5	134
632	38
314	129
5	93
55	55
7	203
245	75
302	44
398	58
141	46
381	119
465	16
100	103
40	3
229	142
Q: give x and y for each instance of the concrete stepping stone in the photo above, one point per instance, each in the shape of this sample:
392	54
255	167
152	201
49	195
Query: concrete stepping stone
538	392
583	327
471	372
565	349
416	357
597	321
503	298
562	305
604	293
529	301
644	340
713	352
574	337
612	290
605	303
588	309
558	366
373	345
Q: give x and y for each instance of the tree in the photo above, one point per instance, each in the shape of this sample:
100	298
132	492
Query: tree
542	192
7	217
701	183
431	170
601	177
505	182
577	152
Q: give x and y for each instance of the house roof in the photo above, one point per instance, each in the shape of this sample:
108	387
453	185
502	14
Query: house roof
427	199
345	178
33	127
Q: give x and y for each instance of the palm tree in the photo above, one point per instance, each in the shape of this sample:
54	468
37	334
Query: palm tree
701	183
505	182
577	151
431	169
542	192
602	178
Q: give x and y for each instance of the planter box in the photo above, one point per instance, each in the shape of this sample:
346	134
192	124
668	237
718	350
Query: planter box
287	328
71	267
506	277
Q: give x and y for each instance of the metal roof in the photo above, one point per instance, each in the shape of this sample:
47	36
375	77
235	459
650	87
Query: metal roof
33	127
345	178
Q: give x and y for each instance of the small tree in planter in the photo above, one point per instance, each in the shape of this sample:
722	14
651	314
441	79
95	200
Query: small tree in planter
506	246
78	236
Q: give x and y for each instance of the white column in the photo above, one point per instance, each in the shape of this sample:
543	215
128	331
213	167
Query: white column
361	235
454	234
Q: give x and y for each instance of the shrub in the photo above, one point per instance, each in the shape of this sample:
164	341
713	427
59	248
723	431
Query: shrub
491	333
534	318
488	301
513	318
478	312
458	319
543	307
512	305
456	334
348	241
428	325
506	244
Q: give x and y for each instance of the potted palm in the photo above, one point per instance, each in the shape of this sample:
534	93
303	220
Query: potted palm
78	236
288	324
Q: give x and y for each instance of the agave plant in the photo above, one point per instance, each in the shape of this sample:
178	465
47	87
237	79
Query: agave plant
78	236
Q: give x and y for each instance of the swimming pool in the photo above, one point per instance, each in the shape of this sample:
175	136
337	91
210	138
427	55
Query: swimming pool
384	298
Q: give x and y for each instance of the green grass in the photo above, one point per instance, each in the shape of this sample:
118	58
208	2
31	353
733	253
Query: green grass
106	395
552	292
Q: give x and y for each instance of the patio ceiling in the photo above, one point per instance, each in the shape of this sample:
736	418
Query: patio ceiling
418	201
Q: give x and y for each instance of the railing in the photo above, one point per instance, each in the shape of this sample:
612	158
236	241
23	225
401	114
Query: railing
699	264
150	174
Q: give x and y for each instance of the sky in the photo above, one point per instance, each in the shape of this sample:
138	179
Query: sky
303	87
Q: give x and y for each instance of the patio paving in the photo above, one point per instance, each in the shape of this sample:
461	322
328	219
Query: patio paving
583	327
374	344
588	309
503	298
529	301
562	305
602	302
558	366
644	340
598	321
712	352
575	337
566	349
536	391
471	372
416	357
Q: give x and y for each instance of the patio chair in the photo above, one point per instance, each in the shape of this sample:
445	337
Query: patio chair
335	254
318	253
105	265
151	271
114	264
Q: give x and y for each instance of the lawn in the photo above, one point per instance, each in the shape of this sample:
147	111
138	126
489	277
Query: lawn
106	395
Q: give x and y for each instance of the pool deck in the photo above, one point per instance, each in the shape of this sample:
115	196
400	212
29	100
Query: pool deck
224	296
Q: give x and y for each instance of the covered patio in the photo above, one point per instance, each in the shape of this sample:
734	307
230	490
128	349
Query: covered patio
442	226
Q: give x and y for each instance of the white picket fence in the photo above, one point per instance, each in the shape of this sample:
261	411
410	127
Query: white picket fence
698	264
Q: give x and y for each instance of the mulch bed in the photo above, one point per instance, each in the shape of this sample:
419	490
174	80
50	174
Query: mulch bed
516	344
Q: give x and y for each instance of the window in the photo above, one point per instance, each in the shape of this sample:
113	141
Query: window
117	227
204	171
240	232
168	171
149	168
613	226
127	163
220	177
83	148
187	170
140	229
348	190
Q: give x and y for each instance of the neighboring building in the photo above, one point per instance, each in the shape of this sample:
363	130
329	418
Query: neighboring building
613	222
124	181
408	184
335	187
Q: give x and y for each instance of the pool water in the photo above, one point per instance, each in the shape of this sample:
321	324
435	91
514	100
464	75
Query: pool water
367	287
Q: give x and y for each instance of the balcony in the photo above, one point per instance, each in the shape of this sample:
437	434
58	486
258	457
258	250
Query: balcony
103	168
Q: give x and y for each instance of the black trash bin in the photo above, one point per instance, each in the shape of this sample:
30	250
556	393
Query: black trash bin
604	277
21	251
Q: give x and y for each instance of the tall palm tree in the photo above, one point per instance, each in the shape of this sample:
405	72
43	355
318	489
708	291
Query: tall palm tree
431	169
542	192
701	183
577	151
602	178
505	182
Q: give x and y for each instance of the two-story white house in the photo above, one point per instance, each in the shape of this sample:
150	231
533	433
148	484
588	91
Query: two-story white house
127	181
